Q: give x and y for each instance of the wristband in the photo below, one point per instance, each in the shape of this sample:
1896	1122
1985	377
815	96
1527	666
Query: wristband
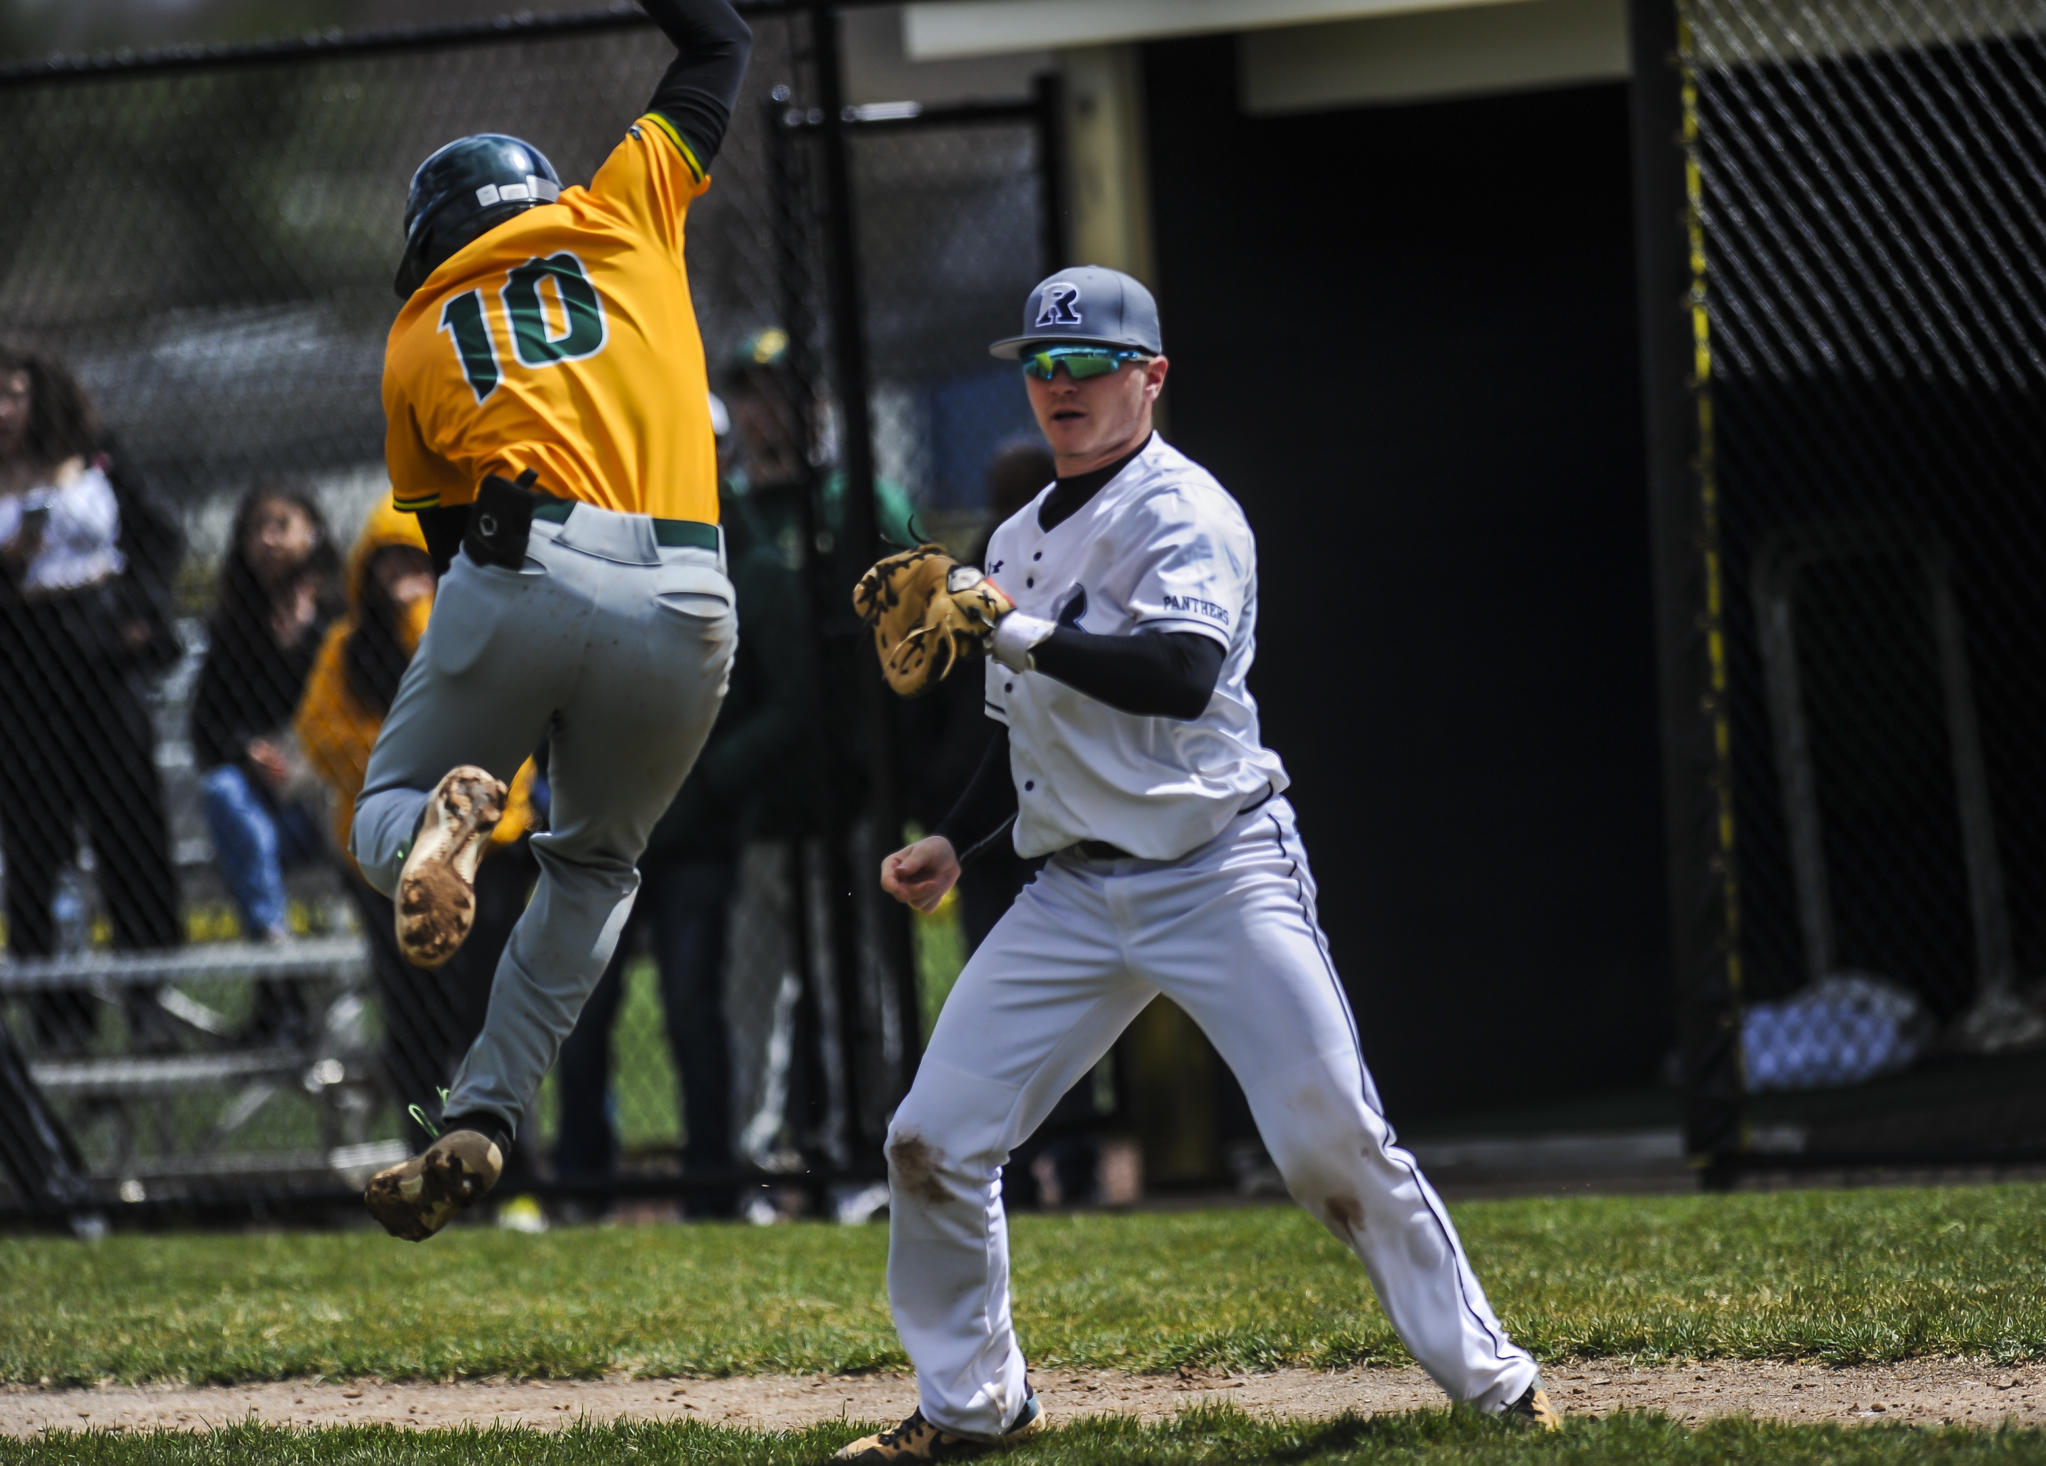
1016	636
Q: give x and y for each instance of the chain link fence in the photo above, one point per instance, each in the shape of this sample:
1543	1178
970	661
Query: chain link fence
1868	262
205	603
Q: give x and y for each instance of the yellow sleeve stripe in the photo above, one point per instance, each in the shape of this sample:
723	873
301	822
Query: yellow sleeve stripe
667	130
412	505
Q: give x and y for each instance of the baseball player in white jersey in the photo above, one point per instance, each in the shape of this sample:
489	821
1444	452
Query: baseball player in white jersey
1130	755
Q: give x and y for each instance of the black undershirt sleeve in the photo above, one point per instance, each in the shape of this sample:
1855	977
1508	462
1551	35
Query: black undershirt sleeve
702	86
988	807
1153	675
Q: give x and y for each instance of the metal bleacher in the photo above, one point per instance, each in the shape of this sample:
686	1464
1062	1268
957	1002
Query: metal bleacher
166	1122
179	1096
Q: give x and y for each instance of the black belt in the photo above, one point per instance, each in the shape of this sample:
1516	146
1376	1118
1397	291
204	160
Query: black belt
672	534
1102	850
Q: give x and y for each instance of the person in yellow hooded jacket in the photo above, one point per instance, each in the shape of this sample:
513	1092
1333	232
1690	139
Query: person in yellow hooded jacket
430	1016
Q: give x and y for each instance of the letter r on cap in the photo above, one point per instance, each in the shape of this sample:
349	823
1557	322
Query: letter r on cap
1059	306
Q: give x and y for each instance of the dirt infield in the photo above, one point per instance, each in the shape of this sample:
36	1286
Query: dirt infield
1970	1392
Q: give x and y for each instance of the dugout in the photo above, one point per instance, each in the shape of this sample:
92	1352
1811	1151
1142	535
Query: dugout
1405	339
1395	262
1394	258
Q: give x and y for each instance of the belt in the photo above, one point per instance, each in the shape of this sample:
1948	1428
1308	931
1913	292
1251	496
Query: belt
1102	850
672	534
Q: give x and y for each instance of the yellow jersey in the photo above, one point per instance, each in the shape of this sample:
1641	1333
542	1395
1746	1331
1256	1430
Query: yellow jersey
564	341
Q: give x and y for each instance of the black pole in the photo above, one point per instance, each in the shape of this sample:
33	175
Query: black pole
1049	95
874	1091
1683	514
848	329
807	1109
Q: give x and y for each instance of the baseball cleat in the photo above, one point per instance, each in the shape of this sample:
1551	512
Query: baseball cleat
436	893
1533	1410
916	1439
416	1198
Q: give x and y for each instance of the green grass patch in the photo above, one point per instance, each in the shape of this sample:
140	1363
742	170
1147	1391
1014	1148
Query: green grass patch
1208	1436
1837	1277
939	938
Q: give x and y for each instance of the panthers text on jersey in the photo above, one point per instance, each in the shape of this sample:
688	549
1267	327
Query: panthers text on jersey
564	341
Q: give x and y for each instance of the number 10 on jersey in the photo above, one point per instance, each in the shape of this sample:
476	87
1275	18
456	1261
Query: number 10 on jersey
576	307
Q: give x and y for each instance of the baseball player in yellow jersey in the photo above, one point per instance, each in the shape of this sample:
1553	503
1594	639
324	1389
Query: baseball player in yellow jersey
549	422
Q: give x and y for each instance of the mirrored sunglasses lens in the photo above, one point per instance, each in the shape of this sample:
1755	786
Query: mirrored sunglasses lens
1080	364
1098	364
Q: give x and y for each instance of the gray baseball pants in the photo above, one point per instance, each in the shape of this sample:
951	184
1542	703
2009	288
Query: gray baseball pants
615	649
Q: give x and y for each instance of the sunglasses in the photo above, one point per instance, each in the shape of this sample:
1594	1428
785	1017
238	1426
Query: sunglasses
1080	362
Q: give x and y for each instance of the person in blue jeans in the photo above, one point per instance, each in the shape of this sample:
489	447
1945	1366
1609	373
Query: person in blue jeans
280	588
256	840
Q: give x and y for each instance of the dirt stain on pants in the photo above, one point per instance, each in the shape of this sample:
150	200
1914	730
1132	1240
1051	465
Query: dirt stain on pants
913	1168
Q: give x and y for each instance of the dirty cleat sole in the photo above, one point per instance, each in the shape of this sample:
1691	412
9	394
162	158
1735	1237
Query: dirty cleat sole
416	1198
436	895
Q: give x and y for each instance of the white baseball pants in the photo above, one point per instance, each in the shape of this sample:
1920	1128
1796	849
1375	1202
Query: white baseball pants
1230	934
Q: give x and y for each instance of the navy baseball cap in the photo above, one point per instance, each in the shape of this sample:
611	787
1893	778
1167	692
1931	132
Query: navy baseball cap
1087	305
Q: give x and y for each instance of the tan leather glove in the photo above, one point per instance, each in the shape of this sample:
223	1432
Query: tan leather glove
929	613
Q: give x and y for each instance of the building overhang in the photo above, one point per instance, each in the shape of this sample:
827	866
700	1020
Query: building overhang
936	30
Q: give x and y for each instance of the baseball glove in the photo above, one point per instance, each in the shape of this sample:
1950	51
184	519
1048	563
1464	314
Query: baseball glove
929	613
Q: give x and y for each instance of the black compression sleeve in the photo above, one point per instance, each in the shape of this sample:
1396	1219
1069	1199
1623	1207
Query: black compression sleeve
985	811
702	86
1153	675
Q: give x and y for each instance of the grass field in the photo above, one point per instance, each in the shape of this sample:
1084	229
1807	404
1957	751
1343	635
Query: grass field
1832	1276
1200	1437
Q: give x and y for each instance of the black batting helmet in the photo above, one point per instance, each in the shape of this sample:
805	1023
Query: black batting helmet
472	184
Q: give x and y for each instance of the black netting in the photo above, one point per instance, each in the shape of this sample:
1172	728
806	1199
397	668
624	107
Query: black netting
1868	203
200	998
944	281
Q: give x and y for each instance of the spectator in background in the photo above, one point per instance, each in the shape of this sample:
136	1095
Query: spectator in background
430	1017
86	570
780	444
779	465
757	750
280	589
